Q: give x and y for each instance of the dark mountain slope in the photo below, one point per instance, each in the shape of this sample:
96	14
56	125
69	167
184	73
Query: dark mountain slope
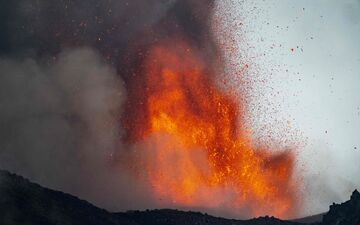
26	203
345	213
23	202
310	219
175	217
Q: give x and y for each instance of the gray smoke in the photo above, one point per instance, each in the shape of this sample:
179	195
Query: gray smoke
60	110
59	126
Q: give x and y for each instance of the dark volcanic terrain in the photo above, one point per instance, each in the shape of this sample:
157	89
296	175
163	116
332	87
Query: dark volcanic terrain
26	203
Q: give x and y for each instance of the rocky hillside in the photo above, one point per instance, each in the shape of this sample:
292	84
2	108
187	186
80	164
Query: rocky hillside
26	203
345	213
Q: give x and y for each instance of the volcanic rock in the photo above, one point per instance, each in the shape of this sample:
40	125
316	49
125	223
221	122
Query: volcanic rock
345	213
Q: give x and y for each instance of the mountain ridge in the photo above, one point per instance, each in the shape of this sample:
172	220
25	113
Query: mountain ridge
25	202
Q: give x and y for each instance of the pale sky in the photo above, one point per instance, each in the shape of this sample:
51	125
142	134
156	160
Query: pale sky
312	49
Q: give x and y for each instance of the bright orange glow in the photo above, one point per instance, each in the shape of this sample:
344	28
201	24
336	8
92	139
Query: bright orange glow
199	155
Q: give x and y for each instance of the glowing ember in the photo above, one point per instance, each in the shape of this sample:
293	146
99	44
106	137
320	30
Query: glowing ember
197	154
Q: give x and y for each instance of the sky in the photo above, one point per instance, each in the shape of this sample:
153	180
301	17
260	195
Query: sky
309	52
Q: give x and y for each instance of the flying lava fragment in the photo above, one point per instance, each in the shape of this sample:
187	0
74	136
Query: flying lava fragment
198	154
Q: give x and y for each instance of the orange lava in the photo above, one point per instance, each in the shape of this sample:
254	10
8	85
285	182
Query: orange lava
198	154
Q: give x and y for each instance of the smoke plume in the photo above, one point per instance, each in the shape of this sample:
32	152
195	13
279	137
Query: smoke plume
76	82
64	66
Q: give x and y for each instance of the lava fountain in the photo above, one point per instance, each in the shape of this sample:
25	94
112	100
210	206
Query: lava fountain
197	153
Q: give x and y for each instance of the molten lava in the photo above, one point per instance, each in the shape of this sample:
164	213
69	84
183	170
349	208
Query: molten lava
198	153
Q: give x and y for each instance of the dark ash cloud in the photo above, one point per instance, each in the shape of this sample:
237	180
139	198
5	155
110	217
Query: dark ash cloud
66	73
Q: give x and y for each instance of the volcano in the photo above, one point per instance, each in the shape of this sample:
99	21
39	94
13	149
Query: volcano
180	133
197	152
194	146
128	104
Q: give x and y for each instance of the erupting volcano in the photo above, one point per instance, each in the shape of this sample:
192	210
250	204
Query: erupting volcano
198	152
120	104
